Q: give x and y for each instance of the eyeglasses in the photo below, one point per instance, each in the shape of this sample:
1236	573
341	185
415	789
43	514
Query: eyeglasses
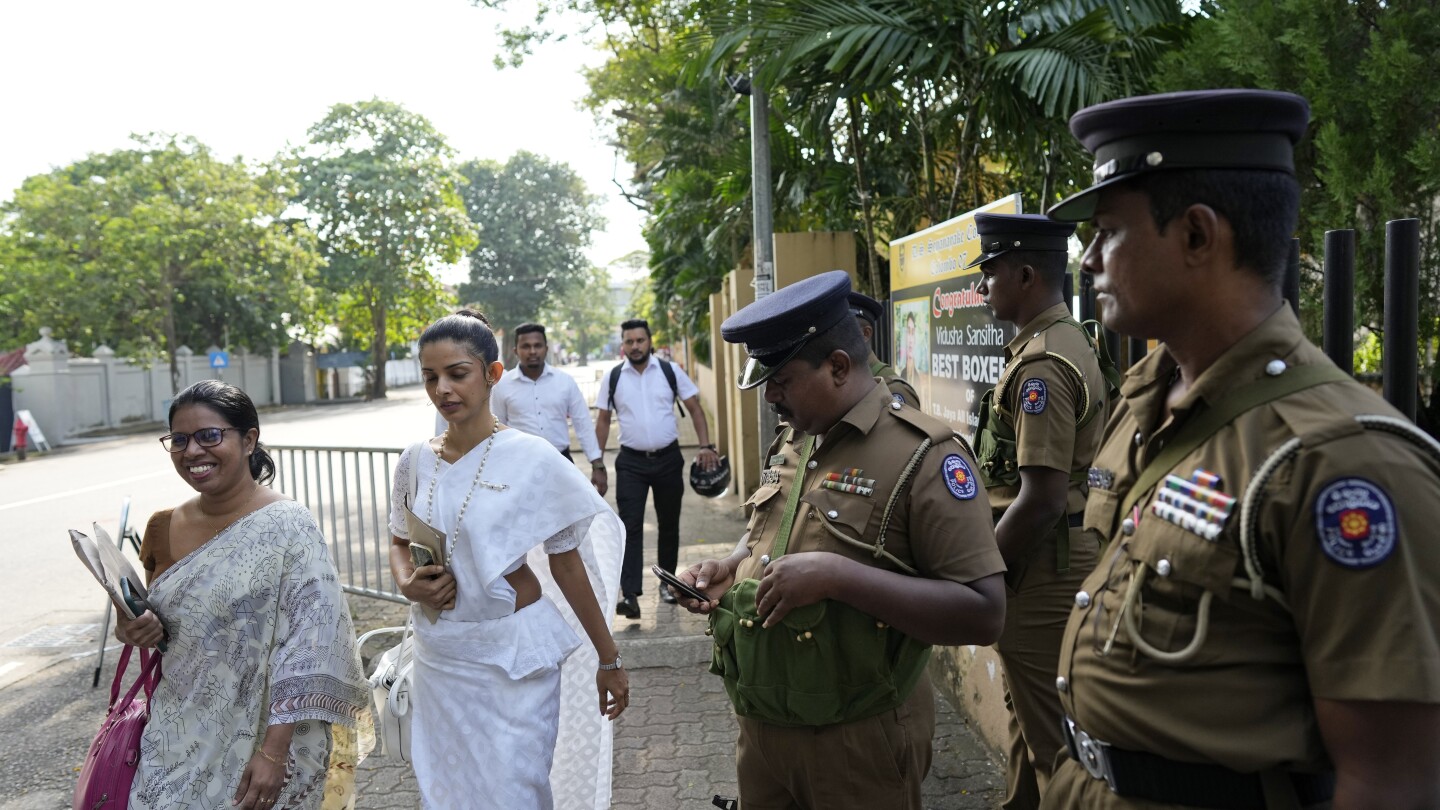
205	437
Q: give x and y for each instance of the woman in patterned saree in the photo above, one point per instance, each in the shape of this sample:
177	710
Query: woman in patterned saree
263	704
533	563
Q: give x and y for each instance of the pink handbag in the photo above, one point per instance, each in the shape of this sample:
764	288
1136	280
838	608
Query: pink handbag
115	754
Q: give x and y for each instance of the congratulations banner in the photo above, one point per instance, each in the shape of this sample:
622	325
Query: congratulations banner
946	342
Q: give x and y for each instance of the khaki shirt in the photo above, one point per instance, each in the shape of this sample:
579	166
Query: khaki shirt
1043	400
887	374
941	534
1352	631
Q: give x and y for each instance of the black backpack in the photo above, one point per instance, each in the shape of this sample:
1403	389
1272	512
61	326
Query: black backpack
664	368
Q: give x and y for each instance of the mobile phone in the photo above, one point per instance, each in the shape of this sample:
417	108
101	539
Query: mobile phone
421	555
135	603
678	585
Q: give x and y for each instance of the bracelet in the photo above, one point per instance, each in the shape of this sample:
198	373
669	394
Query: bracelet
273	761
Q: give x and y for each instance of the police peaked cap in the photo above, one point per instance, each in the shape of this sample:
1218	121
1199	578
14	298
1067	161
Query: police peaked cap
1001	233
775	328
863	306
1204	129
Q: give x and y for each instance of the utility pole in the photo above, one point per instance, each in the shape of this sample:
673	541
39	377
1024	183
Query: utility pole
763	241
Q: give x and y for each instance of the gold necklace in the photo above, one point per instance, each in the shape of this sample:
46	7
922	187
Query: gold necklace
459	518
229	518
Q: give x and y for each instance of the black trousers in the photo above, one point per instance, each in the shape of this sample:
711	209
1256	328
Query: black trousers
636	473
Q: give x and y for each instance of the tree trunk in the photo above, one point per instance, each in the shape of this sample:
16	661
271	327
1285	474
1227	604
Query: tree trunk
870	280
379	349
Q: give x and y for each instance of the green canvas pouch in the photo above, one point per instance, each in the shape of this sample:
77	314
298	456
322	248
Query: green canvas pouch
995	449
823	664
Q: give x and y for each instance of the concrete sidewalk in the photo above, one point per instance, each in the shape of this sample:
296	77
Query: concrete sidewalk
675	745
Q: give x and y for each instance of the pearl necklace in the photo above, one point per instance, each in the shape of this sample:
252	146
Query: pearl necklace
435	475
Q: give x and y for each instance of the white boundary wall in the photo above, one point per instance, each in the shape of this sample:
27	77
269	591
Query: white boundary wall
70	395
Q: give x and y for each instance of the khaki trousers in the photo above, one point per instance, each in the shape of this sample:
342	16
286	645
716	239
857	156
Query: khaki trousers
1037	607
877	762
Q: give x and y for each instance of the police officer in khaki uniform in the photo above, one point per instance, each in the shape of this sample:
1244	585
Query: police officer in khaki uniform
1037	436
1262	628
870	539
867	314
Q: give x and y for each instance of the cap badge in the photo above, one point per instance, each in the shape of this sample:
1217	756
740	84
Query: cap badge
1105	169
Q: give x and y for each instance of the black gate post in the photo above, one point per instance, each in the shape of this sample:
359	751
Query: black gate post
1402	314
1292	277
1135	350
1087	297
1340	298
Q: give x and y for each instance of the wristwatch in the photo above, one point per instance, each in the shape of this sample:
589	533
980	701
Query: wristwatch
708	447
616	665
597	464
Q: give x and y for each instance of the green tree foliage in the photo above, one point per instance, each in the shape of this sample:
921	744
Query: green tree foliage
379	191
154	247
887	115
940	106
1368	69
535	219
583	318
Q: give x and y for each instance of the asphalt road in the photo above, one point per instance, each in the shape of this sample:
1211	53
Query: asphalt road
50	597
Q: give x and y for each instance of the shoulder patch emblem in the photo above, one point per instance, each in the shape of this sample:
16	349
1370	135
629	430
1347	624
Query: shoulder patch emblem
1033	395
1355	523
958	477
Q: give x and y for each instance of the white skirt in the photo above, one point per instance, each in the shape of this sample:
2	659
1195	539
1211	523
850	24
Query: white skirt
487	708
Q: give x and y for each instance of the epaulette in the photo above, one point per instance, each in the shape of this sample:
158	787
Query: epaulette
928	426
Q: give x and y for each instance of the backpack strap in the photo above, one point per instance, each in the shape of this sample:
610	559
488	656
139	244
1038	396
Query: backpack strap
614	383
664	369
1207	423
674	384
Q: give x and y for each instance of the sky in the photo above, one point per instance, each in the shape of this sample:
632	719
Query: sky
78	76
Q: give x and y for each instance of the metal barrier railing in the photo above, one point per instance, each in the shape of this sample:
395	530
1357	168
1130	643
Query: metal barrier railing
347	489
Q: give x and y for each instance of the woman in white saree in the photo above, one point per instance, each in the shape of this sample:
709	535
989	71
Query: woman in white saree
533	553
263	704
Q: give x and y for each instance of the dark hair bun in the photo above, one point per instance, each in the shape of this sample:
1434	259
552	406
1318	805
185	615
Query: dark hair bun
477	315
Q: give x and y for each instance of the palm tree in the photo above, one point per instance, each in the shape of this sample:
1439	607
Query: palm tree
939	106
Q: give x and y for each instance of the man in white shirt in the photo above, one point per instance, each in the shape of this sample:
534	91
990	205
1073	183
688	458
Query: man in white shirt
649	458
537	399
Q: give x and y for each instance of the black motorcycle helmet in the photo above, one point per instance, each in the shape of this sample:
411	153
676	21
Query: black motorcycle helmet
711	483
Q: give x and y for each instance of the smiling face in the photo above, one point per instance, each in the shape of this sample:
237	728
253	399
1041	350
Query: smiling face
1138	271
456	380
212	470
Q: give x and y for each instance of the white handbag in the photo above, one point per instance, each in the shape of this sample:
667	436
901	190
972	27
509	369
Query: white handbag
394	674
390	686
